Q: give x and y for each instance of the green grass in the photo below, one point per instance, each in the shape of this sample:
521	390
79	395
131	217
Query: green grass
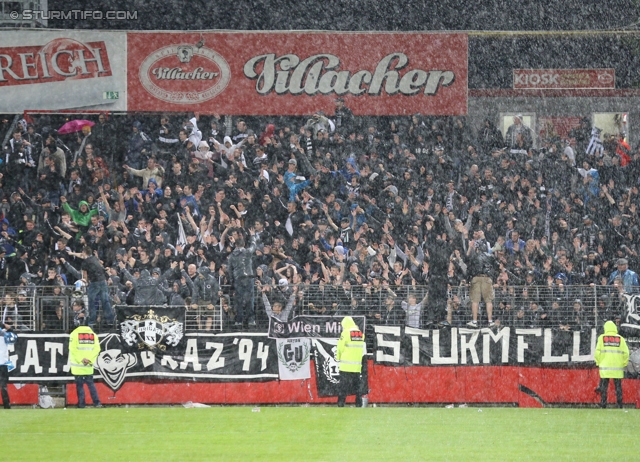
319	433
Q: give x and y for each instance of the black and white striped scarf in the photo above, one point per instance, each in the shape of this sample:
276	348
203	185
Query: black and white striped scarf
595	147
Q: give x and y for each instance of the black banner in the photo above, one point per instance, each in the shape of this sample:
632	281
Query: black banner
405	346
203	357
157	329
327	374
630	325
311	327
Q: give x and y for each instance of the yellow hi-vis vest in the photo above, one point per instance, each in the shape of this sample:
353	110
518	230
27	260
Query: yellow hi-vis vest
351	347
83	343
612	353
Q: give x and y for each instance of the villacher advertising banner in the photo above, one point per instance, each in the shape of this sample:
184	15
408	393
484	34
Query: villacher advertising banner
54	70
298	73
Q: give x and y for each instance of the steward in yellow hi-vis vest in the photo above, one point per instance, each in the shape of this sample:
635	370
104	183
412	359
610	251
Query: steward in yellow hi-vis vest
351	349
612	356
84	348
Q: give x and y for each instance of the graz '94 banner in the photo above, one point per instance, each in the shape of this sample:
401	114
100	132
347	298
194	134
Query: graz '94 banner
201	357
405	346
298	73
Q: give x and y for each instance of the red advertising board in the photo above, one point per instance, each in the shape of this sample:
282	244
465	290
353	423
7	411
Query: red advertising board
559	79
298	73
557	126
57	70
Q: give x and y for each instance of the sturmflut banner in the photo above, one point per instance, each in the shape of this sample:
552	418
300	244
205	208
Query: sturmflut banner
406	346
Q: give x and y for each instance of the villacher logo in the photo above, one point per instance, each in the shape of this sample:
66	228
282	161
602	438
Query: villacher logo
185	74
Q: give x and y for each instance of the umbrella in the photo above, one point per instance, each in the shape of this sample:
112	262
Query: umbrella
74	126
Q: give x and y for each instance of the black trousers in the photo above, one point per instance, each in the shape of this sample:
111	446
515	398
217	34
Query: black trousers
349	385
437	299
4	381
604	390
243	302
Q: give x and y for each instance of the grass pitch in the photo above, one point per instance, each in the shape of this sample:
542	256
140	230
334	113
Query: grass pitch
319	433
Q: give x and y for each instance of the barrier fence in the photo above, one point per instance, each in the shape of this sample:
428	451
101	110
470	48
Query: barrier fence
560	307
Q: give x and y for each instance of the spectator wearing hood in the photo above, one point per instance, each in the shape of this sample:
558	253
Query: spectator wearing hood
146	286
82	216
629	278
205	156
177	294
139	144
228	150
294	182
206	295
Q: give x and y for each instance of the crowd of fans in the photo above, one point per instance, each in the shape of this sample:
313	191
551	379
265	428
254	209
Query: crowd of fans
344	212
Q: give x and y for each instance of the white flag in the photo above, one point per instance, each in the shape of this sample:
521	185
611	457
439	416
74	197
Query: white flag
182	237
595	147
294	356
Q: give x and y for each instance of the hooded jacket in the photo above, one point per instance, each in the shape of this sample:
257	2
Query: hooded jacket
240	263
612	353
206	288
83	219
351	347
147	288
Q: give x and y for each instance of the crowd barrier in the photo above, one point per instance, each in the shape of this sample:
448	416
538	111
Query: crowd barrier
225	364
48	309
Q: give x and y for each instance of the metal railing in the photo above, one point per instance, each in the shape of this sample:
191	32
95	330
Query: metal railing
48	309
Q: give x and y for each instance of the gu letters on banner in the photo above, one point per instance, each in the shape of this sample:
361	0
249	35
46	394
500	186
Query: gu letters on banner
406	346
294	358
202	357
311	327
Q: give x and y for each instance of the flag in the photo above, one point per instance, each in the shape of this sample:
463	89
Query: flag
595	147
182	237
327	371
294	358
